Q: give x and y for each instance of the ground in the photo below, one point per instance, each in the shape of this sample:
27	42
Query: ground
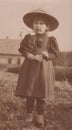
12	109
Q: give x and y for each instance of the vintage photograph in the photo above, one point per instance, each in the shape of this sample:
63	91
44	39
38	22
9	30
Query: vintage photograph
35	65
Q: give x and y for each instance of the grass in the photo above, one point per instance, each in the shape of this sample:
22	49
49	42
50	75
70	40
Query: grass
12	109
63	73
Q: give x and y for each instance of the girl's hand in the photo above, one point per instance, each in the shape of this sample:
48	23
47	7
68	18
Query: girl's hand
31	56
39	58
45	55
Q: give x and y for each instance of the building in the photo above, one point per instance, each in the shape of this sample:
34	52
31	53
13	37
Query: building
9	54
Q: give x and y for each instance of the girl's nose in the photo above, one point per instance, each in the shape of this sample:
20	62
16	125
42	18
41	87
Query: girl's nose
38	25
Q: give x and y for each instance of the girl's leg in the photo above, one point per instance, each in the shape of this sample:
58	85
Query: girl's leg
40	112
40	106
29	109
29	104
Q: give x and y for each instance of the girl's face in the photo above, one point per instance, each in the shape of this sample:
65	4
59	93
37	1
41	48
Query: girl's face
39	26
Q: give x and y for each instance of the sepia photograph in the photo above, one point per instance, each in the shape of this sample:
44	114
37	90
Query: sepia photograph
35	65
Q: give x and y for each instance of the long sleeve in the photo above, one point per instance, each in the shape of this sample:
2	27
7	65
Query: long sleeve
53	49
25	45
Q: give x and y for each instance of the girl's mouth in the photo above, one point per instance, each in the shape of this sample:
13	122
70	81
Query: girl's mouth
38	29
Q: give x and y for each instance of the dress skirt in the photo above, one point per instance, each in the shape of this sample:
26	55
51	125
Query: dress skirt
36	79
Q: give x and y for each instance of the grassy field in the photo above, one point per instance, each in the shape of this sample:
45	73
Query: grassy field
12	109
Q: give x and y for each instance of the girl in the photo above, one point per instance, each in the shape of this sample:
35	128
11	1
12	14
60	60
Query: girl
36	79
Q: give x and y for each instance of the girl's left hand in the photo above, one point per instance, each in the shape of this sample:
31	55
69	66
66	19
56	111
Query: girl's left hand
45	55
39	58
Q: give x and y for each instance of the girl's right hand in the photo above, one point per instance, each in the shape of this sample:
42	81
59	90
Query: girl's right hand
31	56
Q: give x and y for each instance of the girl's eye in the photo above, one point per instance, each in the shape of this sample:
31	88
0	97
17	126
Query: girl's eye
41	23
35	22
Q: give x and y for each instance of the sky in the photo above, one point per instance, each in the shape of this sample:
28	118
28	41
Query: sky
12	12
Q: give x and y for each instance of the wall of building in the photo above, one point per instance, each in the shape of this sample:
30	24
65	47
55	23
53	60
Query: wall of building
11	59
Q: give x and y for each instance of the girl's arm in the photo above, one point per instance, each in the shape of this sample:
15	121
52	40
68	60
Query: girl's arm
53	49
26	47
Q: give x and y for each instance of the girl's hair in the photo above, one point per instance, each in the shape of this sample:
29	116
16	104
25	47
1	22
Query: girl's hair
40	18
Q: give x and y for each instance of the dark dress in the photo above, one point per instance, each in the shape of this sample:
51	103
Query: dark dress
37	79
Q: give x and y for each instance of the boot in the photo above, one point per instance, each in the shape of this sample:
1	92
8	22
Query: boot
29	119
40	120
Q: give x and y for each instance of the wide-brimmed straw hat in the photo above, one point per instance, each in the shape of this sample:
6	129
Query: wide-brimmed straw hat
49	20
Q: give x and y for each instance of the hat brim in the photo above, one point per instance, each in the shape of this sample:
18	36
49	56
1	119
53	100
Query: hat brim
50	20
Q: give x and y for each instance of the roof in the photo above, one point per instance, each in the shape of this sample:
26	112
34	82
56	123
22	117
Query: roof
9	46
